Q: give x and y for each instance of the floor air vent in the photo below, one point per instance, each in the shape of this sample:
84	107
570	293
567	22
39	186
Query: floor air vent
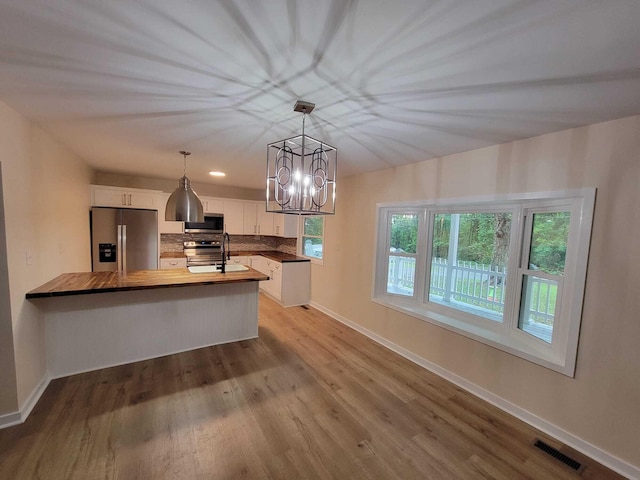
305	307
548	449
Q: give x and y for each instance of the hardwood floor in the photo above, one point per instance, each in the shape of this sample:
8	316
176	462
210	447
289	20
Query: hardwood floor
309	399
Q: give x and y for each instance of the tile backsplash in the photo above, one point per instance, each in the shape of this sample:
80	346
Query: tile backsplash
172	242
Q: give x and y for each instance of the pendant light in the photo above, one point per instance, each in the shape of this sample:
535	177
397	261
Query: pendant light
301	173
183	204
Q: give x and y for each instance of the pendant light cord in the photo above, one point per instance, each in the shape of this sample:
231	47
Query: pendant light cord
184	154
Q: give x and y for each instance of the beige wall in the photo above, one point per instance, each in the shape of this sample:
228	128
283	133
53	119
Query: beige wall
46	204
8	392
207	189
601	405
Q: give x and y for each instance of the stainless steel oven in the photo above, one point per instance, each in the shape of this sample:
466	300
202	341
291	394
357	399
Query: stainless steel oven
204	252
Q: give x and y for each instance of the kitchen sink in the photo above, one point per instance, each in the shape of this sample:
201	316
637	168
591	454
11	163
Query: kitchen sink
216	268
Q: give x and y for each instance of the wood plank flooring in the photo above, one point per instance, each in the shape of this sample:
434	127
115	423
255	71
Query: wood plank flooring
309	399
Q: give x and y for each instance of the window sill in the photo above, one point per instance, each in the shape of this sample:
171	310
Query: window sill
499	337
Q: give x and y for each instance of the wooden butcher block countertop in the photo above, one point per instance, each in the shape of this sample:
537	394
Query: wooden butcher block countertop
273	255
100	282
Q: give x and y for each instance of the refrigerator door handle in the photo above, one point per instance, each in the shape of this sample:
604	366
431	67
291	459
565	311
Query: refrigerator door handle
124	250
119	248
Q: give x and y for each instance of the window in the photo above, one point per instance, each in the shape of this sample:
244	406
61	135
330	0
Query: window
469	255
542	271
312	237
508	272
403	231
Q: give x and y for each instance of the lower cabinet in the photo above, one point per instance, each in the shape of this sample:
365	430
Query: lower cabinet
240	260
173	263
273	286
259	263
289	282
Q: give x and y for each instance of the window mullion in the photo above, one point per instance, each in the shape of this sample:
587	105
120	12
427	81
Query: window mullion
520	226
421	256
427	237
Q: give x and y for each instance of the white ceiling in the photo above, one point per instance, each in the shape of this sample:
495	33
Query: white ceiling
126	84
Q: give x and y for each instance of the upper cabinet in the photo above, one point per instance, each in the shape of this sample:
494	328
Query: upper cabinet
285	225
257	221
212	205
241	217
233	211
102	196
163	225
264	220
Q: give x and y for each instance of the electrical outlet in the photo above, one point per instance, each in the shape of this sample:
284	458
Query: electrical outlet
28	258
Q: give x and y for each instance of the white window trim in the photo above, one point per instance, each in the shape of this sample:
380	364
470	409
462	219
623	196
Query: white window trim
561	354
301	235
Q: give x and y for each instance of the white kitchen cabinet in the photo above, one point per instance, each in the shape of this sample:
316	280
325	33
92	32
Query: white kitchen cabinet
257	221
264	220
250	225
268	268
212	205
259	263
102	196
163	225
173	263
289	282
241	217
234	217
296	283
273	286
285	225
240	260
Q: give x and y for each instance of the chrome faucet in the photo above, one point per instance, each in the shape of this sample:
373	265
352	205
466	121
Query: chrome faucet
227	256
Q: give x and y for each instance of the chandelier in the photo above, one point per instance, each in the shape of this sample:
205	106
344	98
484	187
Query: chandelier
301	173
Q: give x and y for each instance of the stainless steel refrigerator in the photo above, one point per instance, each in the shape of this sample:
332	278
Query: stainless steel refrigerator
123	239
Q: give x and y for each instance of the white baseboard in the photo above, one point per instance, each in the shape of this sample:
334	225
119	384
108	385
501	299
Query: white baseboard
10	419
16	418
620	466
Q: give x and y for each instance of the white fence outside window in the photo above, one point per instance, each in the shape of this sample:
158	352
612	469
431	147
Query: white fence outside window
477	287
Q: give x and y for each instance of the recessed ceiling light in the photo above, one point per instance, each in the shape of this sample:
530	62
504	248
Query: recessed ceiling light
217	174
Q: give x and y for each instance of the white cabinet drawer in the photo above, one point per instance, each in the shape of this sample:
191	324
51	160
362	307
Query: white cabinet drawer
173	263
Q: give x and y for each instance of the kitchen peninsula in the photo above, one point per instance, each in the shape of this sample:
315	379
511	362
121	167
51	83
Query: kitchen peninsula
100	319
